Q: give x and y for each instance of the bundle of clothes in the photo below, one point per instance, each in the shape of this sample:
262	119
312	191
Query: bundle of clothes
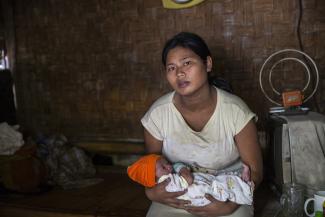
69	166
47	160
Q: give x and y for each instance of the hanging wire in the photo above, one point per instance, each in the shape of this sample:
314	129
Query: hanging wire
298	25
298	30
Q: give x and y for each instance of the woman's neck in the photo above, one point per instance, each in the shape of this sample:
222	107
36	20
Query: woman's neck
201	100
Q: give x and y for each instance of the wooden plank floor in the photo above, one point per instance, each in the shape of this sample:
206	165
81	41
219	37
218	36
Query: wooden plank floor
116	196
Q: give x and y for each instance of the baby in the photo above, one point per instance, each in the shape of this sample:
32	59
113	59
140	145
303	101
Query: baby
152	169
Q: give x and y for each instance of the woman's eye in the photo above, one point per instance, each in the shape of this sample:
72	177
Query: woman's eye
170	69
187	63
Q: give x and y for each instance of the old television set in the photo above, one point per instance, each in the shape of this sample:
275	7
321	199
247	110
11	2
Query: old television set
297	150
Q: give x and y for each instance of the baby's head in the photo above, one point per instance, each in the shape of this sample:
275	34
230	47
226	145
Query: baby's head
163	167
148	169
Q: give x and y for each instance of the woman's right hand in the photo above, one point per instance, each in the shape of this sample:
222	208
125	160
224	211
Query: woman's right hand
187	175
159	194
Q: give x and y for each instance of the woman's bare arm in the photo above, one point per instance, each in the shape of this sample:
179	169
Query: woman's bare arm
152	145
250	151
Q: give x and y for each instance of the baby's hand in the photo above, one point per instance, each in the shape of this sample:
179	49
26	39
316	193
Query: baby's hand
246	173
186	173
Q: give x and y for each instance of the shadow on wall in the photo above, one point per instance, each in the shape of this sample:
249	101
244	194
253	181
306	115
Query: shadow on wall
7	108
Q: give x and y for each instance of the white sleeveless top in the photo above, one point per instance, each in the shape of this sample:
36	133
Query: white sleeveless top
209	150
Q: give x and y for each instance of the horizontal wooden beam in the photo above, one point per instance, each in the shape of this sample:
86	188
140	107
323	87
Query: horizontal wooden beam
6	211
112	147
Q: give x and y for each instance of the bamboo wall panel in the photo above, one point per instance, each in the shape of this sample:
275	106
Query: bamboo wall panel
91	68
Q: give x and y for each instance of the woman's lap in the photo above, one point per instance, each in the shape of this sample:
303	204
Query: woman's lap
160	210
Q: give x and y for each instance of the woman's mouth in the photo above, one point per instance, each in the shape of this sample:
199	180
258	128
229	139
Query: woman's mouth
183	84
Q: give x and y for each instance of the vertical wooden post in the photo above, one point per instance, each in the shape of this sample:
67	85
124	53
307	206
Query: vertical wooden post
9	31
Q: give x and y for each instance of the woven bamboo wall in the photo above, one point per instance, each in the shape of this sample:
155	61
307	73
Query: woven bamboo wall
91	68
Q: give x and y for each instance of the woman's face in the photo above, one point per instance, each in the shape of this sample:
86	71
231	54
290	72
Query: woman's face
163	167
185	71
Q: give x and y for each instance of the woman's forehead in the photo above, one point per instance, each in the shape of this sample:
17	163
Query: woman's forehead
180	50
180	53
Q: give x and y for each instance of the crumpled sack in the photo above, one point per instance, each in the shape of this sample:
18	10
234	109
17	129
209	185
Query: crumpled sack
10	139
69	166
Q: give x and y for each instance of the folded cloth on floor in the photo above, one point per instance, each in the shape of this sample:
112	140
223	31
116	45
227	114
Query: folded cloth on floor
10	139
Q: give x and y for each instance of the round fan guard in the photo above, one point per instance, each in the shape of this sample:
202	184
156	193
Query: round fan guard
285	59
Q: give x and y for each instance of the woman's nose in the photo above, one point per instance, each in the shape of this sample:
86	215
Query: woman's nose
180	72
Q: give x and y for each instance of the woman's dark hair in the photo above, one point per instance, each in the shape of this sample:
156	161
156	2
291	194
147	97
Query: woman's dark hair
187	40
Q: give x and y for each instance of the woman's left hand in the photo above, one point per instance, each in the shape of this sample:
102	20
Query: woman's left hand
215	208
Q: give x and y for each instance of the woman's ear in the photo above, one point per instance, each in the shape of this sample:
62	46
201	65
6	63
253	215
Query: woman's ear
209	64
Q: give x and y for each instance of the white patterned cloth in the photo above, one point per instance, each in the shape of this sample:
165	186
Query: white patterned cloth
221	187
